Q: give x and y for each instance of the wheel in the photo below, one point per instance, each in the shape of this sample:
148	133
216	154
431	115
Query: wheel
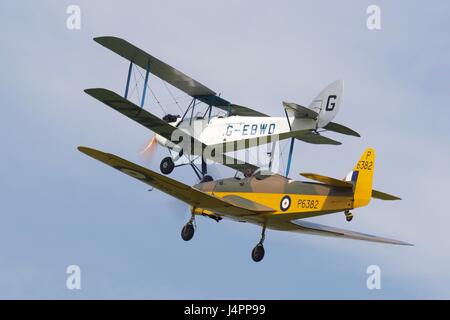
206	178
187	232
349	217
258	252
167	165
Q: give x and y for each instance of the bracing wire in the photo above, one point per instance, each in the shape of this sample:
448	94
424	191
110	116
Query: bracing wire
173	97
153	94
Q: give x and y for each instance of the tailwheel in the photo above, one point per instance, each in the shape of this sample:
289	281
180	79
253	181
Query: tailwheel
348	216
258	251
167	165
187	233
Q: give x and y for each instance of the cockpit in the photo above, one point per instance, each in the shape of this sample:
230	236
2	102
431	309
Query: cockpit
263	173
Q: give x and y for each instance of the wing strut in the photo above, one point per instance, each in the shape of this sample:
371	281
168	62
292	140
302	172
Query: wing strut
144	91
130	68
291	147
147	71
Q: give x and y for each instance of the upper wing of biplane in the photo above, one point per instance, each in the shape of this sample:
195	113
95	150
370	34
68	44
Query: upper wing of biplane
181	191
173	76
307	227
341	183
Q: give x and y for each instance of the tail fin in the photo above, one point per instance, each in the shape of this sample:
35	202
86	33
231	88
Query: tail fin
362	176
327	102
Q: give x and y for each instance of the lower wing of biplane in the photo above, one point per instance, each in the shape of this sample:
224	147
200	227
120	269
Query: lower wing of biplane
182	142
233	207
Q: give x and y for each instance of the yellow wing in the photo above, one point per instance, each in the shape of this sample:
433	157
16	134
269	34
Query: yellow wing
232	207
302	226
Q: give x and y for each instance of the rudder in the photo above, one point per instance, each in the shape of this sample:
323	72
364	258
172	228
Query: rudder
362	176
327	102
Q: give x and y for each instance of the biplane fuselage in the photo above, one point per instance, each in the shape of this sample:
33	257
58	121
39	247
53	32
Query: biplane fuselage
236	128
239	128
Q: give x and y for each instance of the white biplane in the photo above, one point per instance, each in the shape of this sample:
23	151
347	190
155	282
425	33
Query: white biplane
211	137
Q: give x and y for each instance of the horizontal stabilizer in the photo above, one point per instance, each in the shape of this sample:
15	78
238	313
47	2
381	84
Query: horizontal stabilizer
300	111
315	138
327	180
346	184
339	128
384	196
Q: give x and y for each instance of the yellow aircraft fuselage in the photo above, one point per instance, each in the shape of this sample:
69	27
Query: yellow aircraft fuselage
286	197
277	196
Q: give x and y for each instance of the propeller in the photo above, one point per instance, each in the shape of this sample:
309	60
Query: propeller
149	150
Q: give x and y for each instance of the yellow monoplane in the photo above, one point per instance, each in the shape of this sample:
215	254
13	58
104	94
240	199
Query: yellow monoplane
269	200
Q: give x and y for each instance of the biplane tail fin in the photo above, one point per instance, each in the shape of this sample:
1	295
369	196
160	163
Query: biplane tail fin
326	103
362	177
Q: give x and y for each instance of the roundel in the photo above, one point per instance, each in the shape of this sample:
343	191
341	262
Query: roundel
285	203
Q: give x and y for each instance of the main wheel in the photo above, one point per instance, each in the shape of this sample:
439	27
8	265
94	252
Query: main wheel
167	165
258	252
349	217
187	232
206	178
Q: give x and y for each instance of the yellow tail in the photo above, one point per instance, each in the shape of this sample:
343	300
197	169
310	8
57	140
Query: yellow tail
362	177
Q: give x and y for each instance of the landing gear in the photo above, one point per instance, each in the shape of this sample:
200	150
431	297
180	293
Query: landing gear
206	178
348	216
258	250
188	230
167	165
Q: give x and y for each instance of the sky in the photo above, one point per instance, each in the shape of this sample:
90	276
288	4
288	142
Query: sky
60	208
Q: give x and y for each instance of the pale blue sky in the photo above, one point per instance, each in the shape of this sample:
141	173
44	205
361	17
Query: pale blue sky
59	207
